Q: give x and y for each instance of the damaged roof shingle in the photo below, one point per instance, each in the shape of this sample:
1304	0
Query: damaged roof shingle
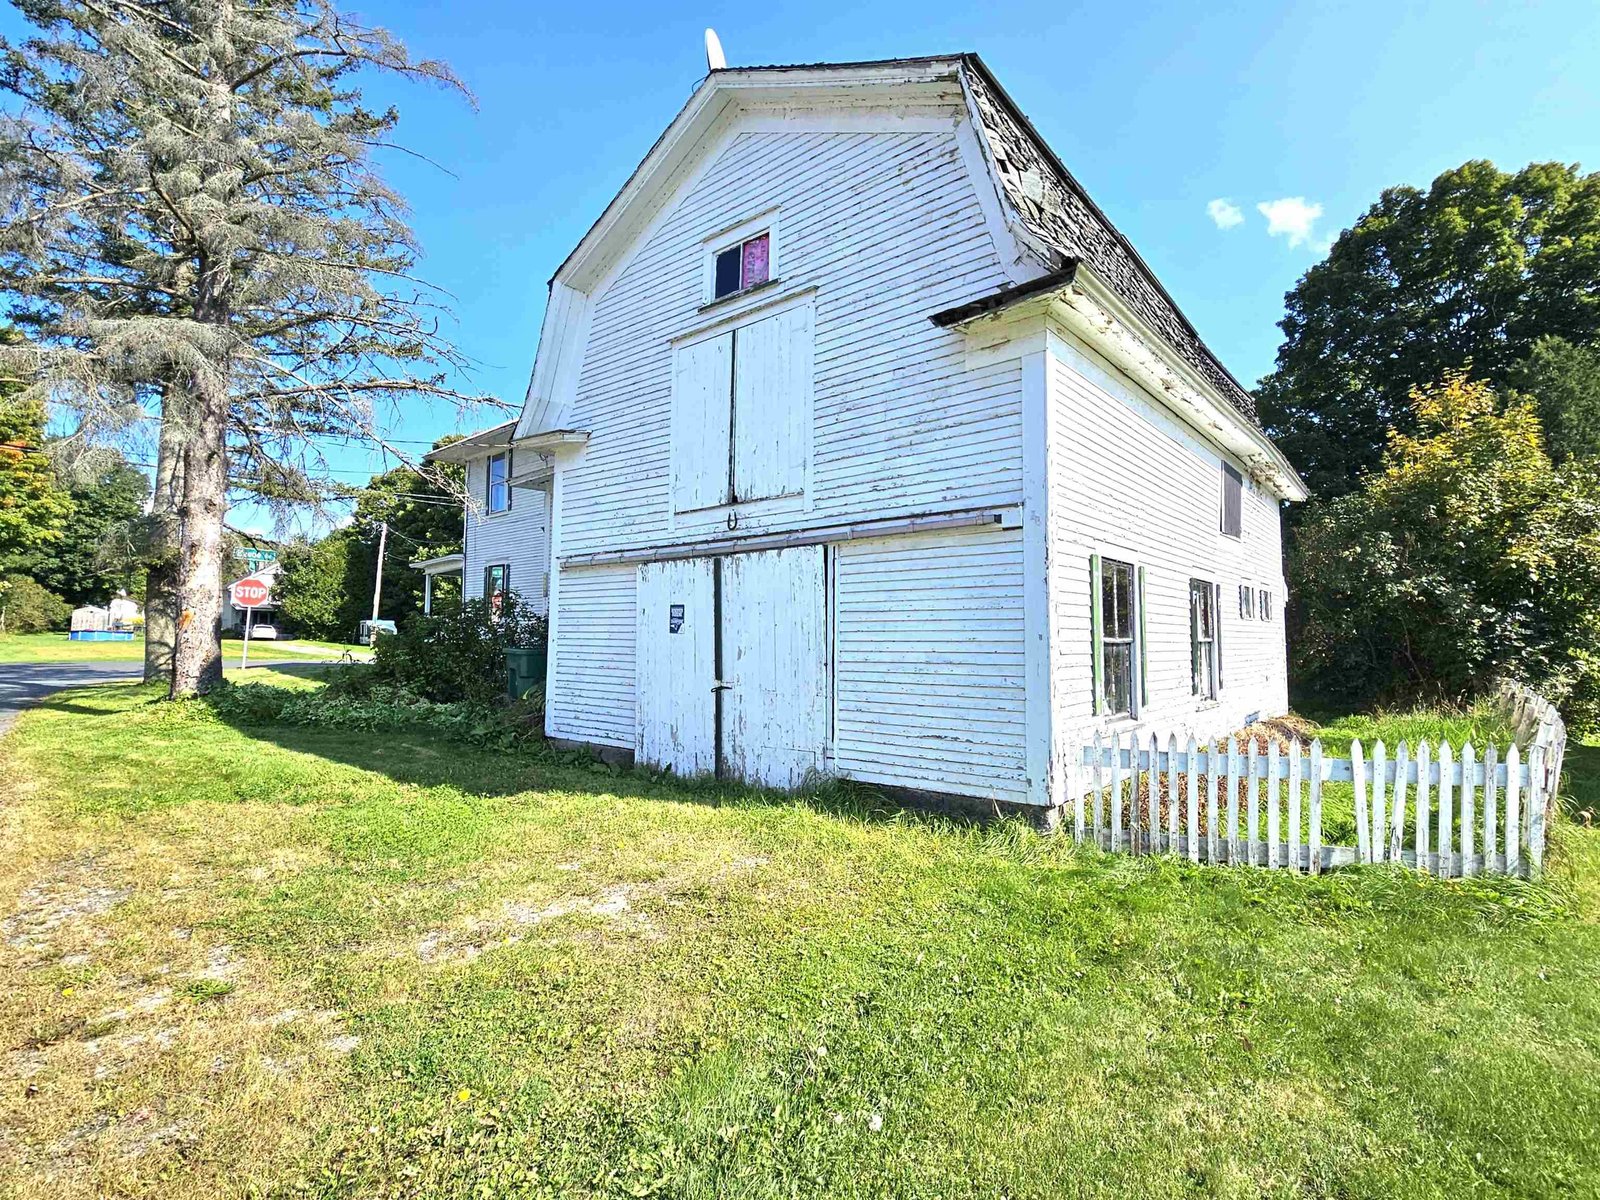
1059	214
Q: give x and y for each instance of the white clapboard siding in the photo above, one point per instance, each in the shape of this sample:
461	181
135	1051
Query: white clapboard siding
518	539
929	648
1129	482
887	228
592	697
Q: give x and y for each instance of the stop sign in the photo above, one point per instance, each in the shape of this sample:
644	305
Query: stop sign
250	593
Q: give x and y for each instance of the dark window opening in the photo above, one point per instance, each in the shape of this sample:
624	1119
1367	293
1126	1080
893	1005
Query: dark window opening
742	266
1232	502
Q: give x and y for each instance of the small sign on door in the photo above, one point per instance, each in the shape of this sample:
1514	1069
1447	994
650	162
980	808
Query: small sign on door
674	618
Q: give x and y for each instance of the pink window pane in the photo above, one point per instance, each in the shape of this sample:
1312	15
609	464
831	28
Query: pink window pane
755	261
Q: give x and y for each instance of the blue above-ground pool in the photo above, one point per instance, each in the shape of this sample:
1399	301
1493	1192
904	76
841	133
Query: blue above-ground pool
101	635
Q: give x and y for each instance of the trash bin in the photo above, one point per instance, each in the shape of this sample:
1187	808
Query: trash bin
525	669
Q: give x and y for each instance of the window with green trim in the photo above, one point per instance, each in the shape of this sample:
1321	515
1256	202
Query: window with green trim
1117	624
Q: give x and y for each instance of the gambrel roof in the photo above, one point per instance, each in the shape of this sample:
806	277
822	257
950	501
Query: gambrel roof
1066	224
1059	213
1054	233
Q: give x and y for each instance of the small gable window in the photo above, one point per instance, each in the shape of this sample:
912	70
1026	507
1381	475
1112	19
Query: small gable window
742	266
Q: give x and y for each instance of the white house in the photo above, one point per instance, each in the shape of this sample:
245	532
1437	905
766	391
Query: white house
505	538
873	448
233	614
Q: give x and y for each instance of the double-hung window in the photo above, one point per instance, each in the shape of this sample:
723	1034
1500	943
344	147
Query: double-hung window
1247	602
1116	638
1117	618
497	483
1203	639
496	583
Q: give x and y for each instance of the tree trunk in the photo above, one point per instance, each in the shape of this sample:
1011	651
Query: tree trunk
161	576
197	662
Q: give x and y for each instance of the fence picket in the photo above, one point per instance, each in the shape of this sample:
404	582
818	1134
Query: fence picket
1075	789
1447	806
1513	811
1314	841
1253	805
1363	801
1116	794
1468	809
1424	789
1154	782
1235	769
1379	832
1273	831
1536	807
1172	793
1491	807
1192	802
1211	803
1295	778
1099	788
1397	816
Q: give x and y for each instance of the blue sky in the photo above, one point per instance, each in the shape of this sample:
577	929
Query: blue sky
1158	108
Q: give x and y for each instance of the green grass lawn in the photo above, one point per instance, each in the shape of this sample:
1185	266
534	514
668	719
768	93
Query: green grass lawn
57	647
291	962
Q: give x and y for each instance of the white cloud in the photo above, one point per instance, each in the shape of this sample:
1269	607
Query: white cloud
1225	213
1291	217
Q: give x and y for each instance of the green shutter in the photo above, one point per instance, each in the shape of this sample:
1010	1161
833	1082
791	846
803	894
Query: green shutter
1144	659
1095	632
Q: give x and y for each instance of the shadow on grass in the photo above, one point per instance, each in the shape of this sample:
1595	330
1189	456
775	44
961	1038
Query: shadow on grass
425	759
1580	782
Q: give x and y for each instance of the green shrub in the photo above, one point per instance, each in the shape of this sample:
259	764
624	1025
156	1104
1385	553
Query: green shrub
458	655
28	607
361	702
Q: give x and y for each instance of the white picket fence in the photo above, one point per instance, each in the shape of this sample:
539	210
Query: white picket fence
1466	813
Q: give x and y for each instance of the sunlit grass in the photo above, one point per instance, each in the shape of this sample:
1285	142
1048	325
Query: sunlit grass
400	967
58	647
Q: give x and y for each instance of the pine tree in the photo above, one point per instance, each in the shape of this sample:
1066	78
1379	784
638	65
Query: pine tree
191	210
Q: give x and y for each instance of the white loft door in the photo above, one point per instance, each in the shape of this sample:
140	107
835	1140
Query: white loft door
702	418
676	644
772	405
775	663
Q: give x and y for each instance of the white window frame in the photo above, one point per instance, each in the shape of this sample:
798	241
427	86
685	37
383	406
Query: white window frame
736	235
488	484
1196	641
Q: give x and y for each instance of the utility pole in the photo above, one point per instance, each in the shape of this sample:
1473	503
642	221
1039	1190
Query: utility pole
377	586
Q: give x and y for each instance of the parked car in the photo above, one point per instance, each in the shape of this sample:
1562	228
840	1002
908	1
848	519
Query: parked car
264	633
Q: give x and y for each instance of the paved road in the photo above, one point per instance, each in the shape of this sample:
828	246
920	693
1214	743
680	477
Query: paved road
22	684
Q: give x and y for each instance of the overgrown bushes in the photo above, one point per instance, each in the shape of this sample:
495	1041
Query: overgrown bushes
458	655
1468	557
355	700
28	607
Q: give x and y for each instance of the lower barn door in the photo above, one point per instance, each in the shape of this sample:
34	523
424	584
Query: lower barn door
774	665
676	656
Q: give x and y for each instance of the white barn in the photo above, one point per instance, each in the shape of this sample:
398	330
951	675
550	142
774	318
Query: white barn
872	448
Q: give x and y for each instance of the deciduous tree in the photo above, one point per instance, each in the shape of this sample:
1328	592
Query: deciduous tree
1471	272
